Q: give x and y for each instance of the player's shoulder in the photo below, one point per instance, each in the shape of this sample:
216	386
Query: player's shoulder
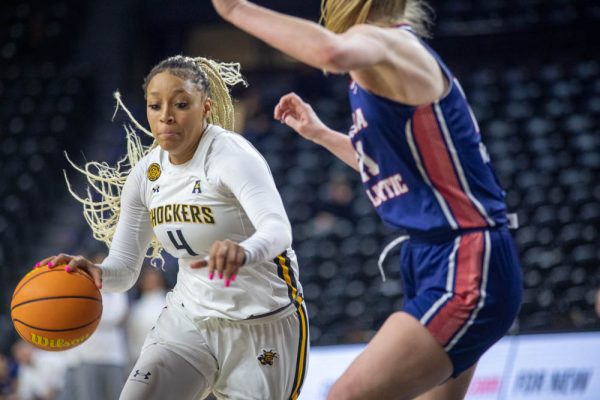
230	152
231	143
142	166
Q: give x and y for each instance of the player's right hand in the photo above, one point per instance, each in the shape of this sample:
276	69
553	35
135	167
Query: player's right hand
300	116
225	258
73	263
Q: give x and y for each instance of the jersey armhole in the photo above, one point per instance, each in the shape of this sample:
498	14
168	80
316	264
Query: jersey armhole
445	70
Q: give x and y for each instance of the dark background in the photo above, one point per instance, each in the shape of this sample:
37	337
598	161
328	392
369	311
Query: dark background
529	67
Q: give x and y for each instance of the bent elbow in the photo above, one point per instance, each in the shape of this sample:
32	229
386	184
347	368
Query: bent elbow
283	239
286	238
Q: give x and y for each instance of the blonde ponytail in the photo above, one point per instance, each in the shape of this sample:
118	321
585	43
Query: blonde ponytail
340	15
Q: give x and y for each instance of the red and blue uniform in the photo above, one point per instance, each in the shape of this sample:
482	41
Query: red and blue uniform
426	170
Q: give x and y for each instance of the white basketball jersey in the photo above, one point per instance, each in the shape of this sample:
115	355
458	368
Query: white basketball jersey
189	207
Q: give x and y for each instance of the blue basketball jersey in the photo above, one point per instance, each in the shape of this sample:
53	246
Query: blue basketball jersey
425	168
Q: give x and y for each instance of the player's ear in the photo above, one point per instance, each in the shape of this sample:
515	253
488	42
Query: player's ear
207	106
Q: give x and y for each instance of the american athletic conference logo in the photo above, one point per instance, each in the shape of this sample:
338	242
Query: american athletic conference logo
153	172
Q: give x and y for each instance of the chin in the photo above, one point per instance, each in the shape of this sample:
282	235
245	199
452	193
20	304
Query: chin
167	145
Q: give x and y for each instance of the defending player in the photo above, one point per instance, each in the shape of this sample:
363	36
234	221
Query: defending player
204	191
417	147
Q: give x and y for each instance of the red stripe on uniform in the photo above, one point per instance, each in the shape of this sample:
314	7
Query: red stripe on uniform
439	167
467	281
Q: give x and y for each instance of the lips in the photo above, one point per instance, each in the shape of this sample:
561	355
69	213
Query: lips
167	135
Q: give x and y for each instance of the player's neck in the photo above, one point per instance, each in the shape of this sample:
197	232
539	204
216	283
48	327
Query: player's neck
188	154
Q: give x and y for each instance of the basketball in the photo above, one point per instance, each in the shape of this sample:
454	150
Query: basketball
56	310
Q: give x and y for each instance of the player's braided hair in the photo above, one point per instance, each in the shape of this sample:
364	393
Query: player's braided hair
106	181
340	15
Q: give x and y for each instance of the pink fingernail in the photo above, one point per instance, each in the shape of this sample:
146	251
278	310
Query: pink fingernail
233	278
50	264
211	276
227	282
220	275
68	269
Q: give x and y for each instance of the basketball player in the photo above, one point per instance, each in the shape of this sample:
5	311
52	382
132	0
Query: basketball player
235	323
417	147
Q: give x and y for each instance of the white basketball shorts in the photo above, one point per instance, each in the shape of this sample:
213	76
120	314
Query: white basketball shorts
263	358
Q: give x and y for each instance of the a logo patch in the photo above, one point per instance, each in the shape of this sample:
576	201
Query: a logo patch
197	187
267	357
153	172
42	341
146	375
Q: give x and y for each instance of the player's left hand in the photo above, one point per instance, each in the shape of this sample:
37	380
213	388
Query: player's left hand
225	7
224	259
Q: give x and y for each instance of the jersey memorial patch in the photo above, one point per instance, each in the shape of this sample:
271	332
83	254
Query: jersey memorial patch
153	172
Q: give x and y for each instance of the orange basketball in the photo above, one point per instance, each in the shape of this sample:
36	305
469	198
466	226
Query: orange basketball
56	310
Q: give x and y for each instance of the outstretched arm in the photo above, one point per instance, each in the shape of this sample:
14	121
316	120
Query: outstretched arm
119	271
307	41
298	115
391	63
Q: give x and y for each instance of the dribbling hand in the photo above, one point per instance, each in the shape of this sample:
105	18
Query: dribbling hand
73	263
300	116
224	259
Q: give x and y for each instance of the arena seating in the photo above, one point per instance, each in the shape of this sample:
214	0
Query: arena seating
541	127
44	102
540	119
473	17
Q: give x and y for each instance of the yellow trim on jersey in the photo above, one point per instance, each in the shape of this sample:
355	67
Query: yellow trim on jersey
285	269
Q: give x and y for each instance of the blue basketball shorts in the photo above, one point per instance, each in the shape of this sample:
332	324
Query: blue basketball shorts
465	288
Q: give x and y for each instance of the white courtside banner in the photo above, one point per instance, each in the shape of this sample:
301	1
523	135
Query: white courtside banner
527	367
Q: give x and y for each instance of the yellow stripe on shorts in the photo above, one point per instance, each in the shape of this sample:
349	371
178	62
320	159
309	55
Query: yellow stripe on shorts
285	272
302	352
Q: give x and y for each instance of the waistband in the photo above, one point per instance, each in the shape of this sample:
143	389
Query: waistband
442	236
278	314
436	237
445	235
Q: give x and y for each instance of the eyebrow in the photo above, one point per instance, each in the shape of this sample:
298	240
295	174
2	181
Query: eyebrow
177	91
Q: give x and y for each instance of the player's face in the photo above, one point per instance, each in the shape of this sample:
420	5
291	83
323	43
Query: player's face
176	111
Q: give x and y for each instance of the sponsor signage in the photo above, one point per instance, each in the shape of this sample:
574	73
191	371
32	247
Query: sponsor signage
527	367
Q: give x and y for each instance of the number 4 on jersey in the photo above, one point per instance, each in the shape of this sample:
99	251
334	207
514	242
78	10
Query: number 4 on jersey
181	244
367	166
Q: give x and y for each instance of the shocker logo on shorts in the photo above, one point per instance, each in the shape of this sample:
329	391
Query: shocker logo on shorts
267	357
153	172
